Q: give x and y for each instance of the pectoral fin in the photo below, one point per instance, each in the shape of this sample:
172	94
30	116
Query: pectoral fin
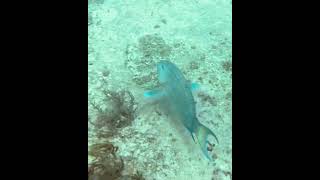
192	85
195	86
155	94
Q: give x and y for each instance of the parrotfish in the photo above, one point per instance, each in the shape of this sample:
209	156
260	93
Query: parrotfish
175	95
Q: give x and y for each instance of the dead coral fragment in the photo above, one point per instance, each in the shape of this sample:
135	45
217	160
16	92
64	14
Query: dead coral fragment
207	98
193	65
227	65
154	45
221	174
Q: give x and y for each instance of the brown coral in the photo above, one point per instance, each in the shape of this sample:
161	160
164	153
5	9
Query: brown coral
120	112
106	164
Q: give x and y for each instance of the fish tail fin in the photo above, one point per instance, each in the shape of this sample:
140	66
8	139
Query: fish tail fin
202	133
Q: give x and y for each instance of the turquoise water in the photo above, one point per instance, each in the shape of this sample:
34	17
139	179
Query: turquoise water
131	138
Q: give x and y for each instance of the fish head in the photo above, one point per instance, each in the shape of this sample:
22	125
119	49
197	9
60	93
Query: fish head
165	70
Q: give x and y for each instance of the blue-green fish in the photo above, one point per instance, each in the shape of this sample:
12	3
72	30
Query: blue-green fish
175	95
